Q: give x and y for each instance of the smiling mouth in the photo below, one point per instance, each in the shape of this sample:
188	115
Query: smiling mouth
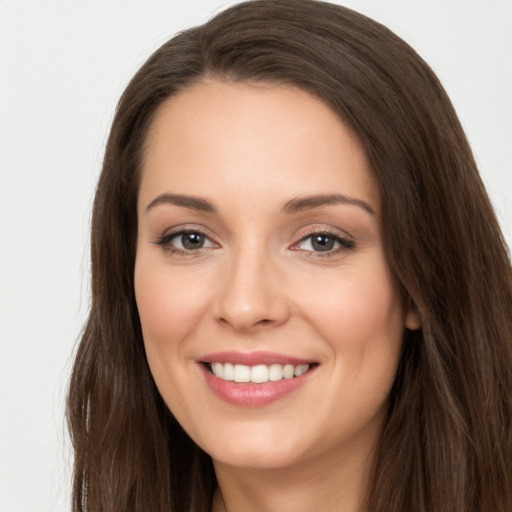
257	374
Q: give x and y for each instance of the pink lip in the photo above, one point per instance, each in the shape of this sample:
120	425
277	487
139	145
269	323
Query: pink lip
250	394
252	358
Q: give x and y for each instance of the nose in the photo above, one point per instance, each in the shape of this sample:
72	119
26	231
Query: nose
252	293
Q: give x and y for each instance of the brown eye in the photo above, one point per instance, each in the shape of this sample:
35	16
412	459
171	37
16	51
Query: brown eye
192	240
322	242
185	241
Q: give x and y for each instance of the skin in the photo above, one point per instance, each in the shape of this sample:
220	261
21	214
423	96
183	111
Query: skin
259	284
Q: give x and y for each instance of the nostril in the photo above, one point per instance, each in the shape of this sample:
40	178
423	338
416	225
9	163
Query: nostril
245	323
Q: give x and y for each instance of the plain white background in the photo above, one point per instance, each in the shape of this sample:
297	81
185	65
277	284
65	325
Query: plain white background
63	65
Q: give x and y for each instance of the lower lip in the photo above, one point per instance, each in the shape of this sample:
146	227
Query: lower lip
250	394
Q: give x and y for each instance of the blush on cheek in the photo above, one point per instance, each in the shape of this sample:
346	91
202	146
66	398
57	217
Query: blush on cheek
168	309
363	321
354	307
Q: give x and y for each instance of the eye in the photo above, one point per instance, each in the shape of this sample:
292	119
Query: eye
190	240
323	242
185	241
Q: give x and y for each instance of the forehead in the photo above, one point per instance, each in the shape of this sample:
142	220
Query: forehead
259	138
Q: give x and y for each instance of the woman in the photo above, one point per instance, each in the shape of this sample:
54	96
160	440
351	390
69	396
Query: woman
300	294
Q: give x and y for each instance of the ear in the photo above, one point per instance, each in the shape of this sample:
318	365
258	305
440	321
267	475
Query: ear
412	319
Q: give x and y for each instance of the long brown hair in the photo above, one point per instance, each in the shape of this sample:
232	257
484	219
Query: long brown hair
447	444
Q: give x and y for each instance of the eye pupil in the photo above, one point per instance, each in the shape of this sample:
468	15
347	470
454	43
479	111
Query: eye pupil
192	240
322	242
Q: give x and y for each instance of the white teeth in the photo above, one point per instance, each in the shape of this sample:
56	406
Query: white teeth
275	372
257	374
301	369
228	371
289	370
218	369
242	373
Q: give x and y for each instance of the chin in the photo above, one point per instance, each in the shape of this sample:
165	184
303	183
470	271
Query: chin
279	443
255	446
255	456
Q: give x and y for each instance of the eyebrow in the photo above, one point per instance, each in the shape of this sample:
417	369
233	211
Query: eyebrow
295	205
193	203
299	204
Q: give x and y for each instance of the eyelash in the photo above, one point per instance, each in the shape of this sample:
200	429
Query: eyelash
165	242
344	243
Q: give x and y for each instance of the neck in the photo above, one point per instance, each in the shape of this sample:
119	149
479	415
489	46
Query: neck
333	485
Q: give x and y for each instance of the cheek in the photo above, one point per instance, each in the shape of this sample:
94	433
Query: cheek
170	304
361	319
355	305
170	307
362	324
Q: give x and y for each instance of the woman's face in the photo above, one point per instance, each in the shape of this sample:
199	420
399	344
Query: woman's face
271	323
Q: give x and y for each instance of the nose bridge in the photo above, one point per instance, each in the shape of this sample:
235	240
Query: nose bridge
250	295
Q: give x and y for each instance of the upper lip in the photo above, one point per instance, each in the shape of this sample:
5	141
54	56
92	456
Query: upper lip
253	358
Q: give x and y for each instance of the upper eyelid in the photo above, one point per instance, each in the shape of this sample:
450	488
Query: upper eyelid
175	234
177	230
331	231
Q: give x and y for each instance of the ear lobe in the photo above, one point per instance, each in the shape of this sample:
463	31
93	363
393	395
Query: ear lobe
413	320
